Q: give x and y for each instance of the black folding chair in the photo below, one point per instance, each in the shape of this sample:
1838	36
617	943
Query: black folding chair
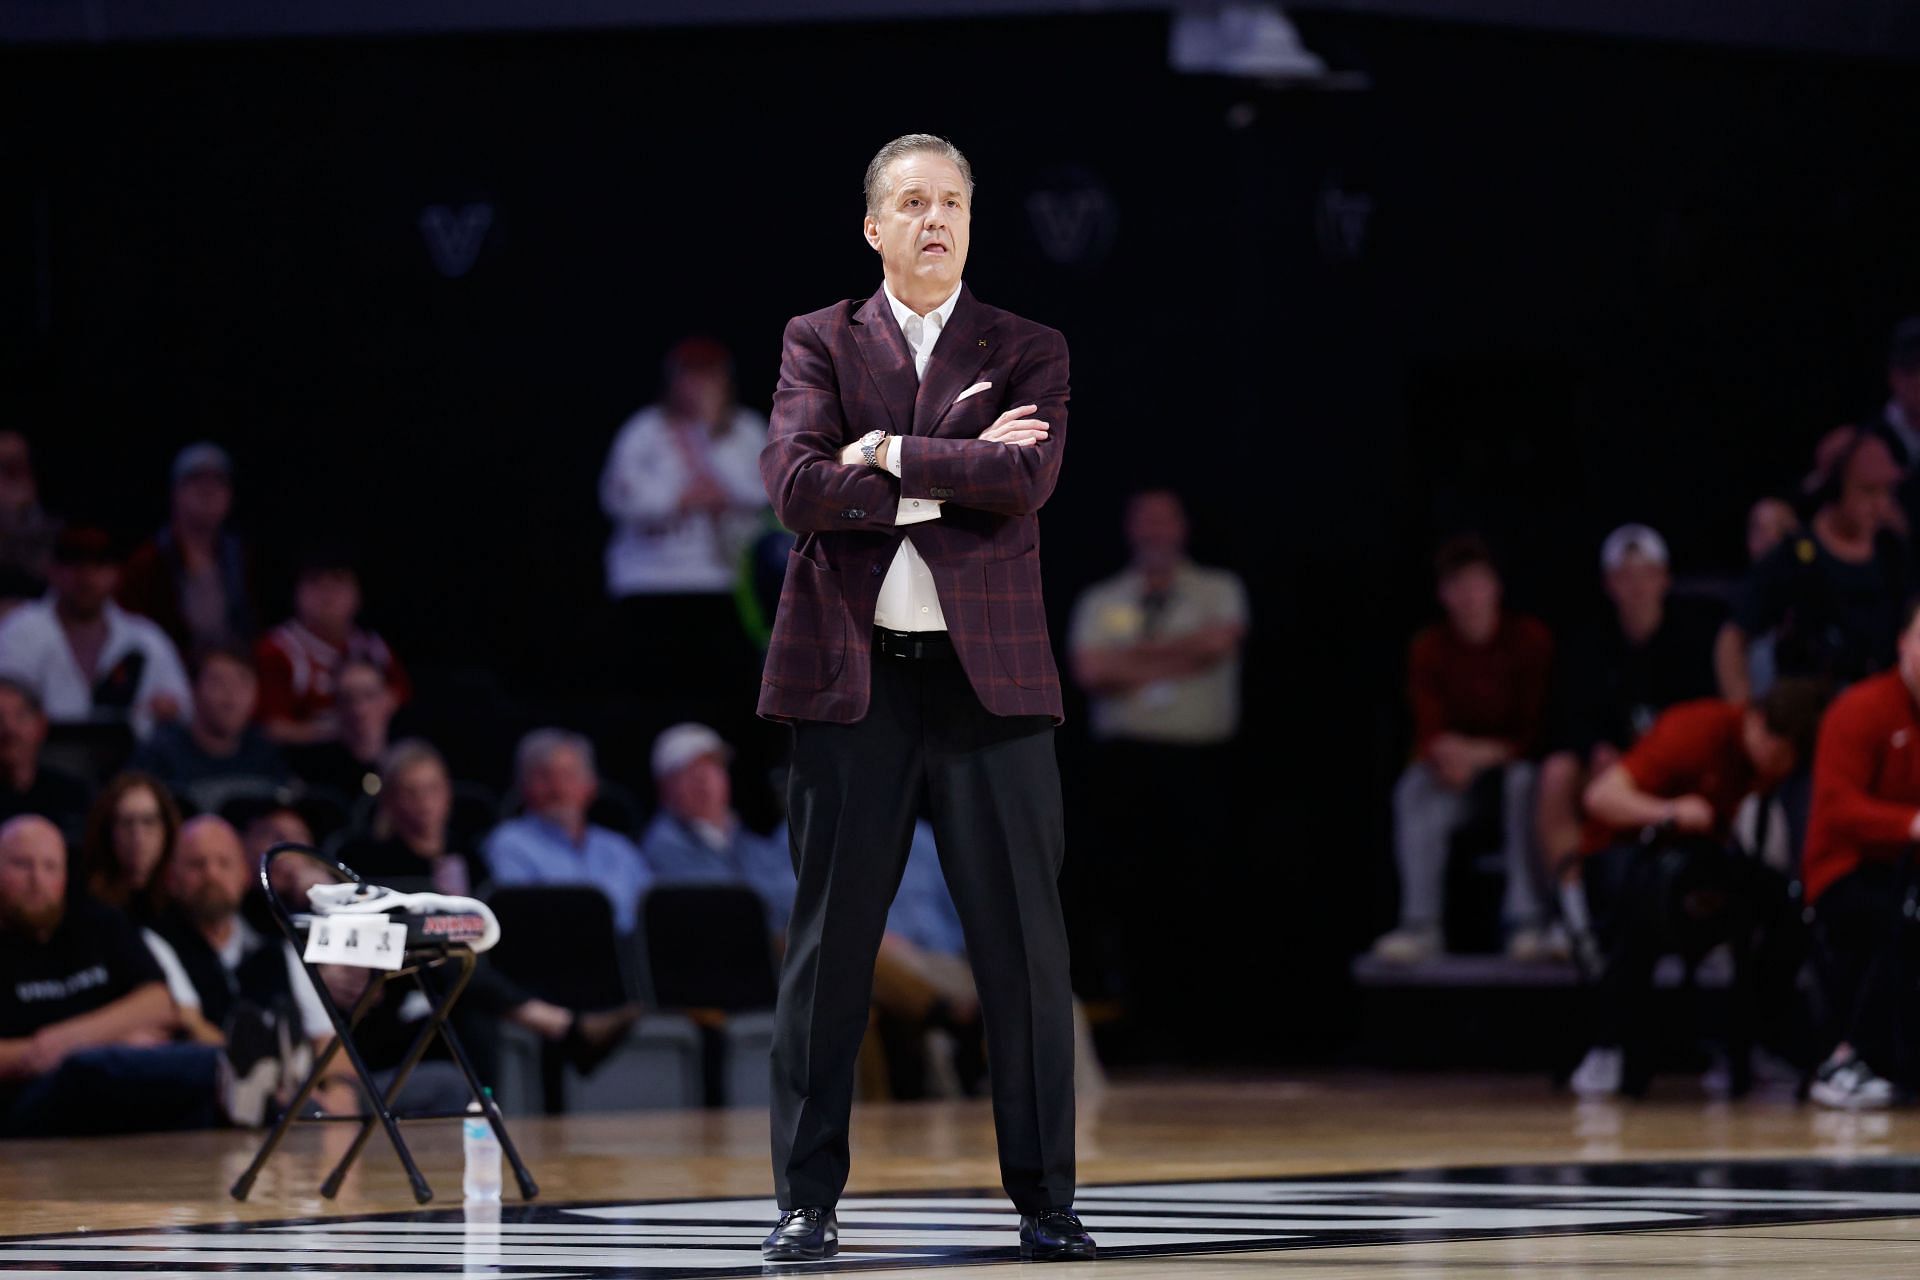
420	958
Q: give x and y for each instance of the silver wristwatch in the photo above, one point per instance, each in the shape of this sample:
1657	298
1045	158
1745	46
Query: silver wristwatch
870	447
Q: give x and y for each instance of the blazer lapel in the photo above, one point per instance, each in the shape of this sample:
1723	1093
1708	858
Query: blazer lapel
888	361
963	348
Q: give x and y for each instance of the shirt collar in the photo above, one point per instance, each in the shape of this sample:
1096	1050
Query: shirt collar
902	312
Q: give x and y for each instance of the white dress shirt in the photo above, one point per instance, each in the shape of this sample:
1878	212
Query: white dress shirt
908	601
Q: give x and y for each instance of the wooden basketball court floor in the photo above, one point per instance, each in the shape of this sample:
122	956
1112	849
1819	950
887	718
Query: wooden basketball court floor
1325	1175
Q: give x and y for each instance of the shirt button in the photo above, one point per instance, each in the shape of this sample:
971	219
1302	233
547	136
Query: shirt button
925	609
876	571
916	504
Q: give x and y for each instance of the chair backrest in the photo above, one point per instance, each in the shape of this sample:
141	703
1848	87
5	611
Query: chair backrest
557	941
707	948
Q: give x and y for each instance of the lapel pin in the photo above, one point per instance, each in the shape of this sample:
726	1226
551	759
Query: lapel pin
983	342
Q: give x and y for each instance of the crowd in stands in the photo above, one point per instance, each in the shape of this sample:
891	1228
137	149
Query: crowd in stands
1673	780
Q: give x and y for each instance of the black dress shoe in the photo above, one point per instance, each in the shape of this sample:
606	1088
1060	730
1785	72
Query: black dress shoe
803	1235
1055	1236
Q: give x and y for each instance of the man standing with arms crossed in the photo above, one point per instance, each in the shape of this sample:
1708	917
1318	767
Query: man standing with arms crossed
915	436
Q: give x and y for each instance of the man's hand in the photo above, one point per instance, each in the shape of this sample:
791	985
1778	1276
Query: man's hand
1452	758
1014	427
1692	813
46	1050
704	494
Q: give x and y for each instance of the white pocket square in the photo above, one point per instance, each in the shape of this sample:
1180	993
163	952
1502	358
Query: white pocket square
975	389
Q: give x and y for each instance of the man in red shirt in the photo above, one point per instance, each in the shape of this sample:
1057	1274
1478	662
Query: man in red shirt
1477	683
1857	871
1689	772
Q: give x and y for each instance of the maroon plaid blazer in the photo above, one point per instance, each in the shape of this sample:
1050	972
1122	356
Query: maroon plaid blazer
846	371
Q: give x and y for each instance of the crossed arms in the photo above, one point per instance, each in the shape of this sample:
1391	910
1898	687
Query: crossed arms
817	482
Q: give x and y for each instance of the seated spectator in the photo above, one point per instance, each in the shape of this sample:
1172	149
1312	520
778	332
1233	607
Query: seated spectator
409	838
301	660
27	785
219	746
1690	772
26	530
232	984
129	841
191	578
363	710
1857	872
84	1013
89	660
1616	679
697	838
553	843
1830	596
1478	687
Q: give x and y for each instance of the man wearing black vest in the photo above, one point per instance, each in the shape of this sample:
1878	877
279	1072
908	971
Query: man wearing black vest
235	987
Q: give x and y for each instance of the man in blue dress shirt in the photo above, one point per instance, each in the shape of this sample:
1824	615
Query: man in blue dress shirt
553	843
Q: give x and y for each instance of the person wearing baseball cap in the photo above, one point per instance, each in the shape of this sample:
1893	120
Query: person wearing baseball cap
191	576
697	838
1614	680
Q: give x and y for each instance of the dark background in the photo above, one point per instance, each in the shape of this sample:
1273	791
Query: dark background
1533	283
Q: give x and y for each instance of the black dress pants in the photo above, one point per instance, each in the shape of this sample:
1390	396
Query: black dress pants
991	787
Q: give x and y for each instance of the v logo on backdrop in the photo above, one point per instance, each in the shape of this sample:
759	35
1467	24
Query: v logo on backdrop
454	236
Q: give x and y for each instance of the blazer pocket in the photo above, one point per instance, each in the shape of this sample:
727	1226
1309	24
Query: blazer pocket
809	642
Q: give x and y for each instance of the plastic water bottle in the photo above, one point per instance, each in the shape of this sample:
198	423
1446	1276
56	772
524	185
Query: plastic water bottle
482	1178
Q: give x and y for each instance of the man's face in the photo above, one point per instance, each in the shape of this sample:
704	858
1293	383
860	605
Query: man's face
1638	584
560	788
22	730
1771	754
33	876
203	499
83	589
700	395
699	789
1866	491
1905	385
420	800
365	702
209	873
1471	597
923	226
1157	529
282	826
328	601
224	695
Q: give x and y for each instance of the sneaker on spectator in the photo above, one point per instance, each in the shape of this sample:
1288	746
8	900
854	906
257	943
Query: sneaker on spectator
1600	1073
1407	946
1845	1082
250	1071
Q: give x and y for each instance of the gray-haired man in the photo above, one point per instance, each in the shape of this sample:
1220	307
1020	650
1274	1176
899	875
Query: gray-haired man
553	843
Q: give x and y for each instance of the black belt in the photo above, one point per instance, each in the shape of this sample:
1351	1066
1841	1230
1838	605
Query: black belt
912	644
